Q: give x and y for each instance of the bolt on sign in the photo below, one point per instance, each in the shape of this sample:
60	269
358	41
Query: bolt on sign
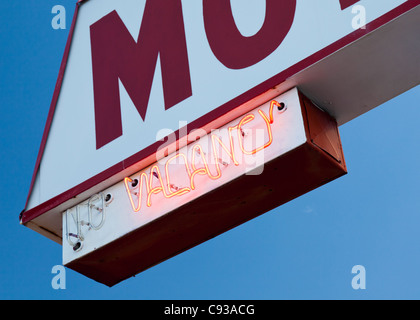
174	121
256	162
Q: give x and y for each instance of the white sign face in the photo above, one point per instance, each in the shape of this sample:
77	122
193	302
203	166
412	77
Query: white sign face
241	147
140	70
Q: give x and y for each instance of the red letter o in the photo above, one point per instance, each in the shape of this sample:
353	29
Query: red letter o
233	49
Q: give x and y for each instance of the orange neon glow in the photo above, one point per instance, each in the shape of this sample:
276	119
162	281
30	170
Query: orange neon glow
231	153
197	150
155	190
179	191
249	118
137	207
272	104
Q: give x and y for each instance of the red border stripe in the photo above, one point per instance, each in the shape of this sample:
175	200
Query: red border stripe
54	99
35	212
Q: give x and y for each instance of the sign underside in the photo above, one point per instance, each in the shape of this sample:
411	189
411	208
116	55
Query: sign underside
193	81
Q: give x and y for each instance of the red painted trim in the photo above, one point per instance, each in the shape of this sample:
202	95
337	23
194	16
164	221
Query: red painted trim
33	213
347	3
54	99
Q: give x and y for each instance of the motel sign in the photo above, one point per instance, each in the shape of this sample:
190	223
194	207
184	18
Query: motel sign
174	121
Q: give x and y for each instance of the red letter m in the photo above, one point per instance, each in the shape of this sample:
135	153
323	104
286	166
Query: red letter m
116	55
347	3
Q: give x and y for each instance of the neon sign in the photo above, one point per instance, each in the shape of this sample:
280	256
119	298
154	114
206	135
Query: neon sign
201	184
159	181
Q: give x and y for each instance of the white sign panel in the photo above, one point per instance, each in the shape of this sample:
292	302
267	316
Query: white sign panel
238	148
140	70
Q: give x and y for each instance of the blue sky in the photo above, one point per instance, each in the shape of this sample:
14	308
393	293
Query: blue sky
303	250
